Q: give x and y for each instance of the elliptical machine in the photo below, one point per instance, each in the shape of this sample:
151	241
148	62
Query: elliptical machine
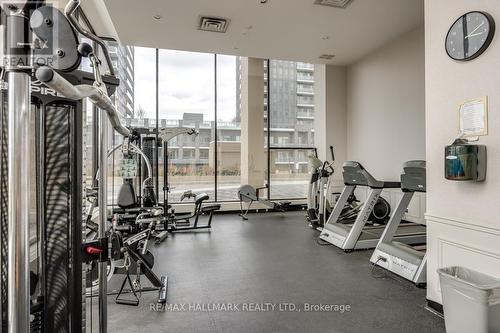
319	184
312	192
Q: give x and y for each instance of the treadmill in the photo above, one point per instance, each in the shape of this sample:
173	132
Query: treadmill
358	235
395	256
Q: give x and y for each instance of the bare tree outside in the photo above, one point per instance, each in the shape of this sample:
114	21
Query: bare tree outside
141	113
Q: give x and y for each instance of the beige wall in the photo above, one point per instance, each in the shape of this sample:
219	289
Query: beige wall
385	106
331	124
462	217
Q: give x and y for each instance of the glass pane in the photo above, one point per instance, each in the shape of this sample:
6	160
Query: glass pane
291	121
187	98
135	100
266	125
140	112
289	173
291	104
228	129
266	103
143	87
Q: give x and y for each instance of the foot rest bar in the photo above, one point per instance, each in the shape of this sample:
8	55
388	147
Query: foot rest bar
162	293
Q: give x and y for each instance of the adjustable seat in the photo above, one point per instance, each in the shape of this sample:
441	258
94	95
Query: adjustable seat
126	196
129	208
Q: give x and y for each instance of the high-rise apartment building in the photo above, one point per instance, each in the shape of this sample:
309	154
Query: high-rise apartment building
291	99
122	57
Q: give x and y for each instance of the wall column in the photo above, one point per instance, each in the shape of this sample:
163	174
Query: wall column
330	124
253	157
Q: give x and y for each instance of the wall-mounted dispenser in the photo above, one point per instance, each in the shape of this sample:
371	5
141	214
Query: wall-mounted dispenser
464	161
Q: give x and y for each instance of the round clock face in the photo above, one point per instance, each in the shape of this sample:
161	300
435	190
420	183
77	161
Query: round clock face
470	35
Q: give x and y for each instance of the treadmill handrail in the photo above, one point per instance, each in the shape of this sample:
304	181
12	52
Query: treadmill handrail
98	95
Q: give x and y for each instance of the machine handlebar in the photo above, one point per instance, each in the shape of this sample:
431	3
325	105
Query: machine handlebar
333	155
97	93
168	133
328	167
69	12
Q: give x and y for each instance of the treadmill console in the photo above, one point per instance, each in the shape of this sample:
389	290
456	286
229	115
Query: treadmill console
354	174
413	177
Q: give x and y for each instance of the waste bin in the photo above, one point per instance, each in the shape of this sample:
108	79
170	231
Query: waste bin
471	301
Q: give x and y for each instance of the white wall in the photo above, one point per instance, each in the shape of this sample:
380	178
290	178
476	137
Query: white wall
462	217
386	106
374	112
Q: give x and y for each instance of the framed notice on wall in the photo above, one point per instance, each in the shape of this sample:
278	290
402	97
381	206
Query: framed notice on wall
473	115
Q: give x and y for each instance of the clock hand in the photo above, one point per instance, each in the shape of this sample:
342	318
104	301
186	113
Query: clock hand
473	31
469	36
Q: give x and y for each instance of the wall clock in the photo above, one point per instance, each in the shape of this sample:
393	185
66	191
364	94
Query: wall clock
470	35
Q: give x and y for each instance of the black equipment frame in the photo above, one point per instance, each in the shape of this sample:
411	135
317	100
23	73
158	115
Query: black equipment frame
59	151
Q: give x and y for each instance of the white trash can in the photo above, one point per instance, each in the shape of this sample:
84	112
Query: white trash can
471	301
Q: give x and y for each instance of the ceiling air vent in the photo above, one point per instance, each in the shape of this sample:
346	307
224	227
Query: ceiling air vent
327	56
333	3
213	24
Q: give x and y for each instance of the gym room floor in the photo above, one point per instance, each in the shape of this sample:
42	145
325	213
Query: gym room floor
271	258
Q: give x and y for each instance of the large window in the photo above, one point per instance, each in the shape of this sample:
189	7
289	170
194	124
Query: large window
289	111
135	99
167	88
228	129
187	98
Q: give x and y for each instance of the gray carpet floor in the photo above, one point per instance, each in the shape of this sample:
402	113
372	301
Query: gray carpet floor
270	260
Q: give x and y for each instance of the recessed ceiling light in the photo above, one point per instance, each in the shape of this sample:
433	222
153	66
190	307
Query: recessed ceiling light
333	3
157	17
327	56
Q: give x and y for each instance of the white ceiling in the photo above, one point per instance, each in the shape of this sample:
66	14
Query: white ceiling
281	29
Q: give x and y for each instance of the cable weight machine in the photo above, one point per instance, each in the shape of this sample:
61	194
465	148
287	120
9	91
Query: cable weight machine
53	301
